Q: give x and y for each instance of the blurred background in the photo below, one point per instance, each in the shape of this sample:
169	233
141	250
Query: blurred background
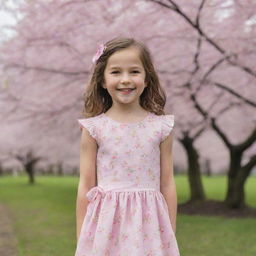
204	52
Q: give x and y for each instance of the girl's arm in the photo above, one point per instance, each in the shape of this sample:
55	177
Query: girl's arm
87	180
167	183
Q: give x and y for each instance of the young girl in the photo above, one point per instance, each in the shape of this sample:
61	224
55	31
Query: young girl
126	200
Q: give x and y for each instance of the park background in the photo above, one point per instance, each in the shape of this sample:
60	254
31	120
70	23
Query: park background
204	52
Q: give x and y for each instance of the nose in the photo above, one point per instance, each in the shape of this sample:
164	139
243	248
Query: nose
125	78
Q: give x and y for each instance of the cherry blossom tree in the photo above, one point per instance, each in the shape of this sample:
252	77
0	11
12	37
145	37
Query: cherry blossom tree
233	59
203	51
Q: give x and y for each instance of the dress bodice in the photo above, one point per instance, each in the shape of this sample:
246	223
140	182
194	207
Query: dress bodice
128	153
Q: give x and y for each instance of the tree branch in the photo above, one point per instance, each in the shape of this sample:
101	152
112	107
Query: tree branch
196	56
213	122
163	4
224	87
248	142
175	7
24	67
199	12
246	169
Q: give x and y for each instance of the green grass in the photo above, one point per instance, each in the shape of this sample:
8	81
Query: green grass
44	215
215	188
44	218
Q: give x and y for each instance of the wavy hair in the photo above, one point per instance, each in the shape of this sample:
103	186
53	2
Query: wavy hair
97	99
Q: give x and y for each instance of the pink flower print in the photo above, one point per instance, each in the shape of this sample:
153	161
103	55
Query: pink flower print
140	228
137	243
161	229
113	129
145	237
137	179
117	141
142	125
110	236
107	253
153	177
133	212
147	217
161	246
117	219
100	230
115	174
150	139
133	133
128	152
122	211
104	212
116	242
165	245
103	153
95	219
124	237
150	172
125	164
130	171
123	125
95	250
90	234
138	145
157	133
143	156
112	164
115	179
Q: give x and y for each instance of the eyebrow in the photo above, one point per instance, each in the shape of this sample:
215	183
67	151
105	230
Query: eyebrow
116	67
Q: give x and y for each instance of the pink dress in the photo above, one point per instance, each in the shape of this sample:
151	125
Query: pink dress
127	214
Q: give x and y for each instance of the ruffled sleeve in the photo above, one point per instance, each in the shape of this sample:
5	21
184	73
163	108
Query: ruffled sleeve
88	124
167	126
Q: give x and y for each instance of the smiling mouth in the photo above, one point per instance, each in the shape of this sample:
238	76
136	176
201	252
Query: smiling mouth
126	89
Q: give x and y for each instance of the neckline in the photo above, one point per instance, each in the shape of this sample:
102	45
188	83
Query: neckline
127	123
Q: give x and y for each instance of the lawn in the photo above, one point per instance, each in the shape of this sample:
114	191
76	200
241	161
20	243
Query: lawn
44	218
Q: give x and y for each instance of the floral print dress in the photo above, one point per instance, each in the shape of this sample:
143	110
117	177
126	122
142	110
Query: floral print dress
127	214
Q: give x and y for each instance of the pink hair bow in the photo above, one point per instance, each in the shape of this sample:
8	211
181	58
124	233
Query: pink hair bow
99	52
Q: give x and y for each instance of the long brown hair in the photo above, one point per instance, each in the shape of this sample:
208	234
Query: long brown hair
97	99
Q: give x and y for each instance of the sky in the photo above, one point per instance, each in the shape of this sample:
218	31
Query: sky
6	19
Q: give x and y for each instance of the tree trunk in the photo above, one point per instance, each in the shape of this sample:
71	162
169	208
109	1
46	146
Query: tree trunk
194	174
235	197
29	167
237	175
29	161
31	177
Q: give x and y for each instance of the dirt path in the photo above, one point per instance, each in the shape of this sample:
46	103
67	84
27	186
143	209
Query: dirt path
8	242
215	208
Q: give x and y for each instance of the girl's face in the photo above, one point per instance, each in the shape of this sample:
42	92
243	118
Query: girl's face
124	76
